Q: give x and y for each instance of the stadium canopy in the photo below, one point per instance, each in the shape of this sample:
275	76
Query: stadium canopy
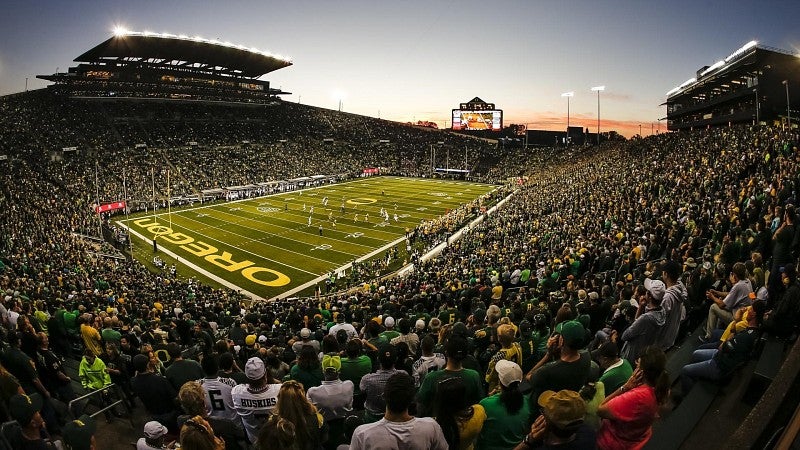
185	52
748	86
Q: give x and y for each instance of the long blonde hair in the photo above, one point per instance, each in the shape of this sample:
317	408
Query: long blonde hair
294	407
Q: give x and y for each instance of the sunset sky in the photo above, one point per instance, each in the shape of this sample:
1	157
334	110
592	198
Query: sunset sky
416	60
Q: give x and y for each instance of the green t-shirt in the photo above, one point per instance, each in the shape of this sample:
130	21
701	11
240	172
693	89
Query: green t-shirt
616	377
307	378
354	369
427	391
388	335
111	336
525	275
502	430
70	320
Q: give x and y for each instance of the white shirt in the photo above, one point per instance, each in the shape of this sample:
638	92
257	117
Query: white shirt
421	433
254	406
218	398
333	399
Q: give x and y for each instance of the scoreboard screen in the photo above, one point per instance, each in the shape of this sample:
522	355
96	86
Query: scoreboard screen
477	120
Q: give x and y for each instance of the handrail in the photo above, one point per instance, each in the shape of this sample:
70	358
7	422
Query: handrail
108	407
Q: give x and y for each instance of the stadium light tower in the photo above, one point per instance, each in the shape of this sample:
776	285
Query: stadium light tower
568	95
339	95
598	89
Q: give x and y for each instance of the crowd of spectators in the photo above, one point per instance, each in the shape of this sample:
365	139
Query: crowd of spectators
546	324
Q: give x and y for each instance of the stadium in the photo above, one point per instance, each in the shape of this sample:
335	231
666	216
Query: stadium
195	259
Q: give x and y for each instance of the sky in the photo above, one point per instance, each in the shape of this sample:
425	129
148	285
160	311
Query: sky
417	60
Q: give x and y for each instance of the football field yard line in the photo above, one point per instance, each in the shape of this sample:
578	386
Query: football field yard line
301	227
249	239
281	236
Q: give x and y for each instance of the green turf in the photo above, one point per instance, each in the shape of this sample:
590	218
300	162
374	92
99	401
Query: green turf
235	239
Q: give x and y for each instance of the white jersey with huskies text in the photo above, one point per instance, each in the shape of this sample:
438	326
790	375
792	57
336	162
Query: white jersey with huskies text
254	406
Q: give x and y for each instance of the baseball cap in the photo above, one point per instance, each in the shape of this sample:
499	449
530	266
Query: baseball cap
78	433
305	333
250	339
254	369
389	322
656	288
564	409
154	430
22	408
332	363
508	372
572	331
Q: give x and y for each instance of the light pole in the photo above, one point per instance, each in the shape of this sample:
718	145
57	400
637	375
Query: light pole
568	95
598	89
788	110
758	119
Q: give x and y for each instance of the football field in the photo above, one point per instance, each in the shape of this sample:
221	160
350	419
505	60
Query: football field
272	245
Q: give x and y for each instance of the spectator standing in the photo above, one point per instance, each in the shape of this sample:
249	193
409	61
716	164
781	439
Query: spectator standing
90	336
629	412
334	398
456	351
508	412
294	407
398	429
561	425
181	370
428	362
155	392
193	403
307	370
616	370
79	433
257	399
217	391
355	365
673	304
372	385
51	370
650	318
461	422
564	366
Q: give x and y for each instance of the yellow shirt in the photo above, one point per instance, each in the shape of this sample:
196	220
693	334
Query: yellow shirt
469	430
737	325
91	338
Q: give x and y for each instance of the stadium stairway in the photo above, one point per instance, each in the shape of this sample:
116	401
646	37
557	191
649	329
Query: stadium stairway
117	433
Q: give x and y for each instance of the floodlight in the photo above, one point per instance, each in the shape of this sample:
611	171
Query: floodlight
120	31
568	94
598	88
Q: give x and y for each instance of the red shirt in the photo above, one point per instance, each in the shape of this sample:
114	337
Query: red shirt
636	411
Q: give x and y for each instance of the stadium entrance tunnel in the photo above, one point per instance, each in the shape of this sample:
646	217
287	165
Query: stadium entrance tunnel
246	268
